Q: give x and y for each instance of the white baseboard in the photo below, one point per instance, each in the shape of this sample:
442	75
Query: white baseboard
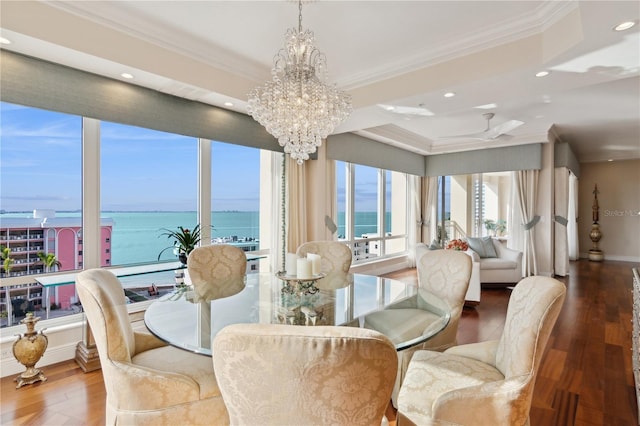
616	258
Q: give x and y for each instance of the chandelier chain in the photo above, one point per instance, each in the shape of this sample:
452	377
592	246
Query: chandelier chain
299	16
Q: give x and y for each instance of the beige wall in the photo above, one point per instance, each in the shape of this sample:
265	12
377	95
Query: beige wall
619	199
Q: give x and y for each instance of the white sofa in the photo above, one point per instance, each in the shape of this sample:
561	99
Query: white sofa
473	292
505	268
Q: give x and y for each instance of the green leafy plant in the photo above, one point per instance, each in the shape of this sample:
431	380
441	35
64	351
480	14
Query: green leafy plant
184	240
501	226
49	260
7	260
490	225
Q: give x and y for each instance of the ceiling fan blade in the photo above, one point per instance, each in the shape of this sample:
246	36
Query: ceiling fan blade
489	133
503	128
467	136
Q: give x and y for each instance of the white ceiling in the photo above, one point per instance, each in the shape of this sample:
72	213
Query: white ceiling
402	53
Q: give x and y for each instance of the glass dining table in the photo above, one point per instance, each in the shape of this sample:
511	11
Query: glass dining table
411	316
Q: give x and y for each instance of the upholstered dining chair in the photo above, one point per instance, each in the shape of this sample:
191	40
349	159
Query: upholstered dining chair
273	374
216	271
488	383
335	262
147	382
444	274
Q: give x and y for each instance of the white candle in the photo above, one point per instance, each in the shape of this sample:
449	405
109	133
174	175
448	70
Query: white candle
315	263
290	264
303	268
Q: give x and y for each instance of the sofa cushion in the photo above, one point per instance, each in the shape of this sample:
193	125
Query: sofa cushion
483	246
497	263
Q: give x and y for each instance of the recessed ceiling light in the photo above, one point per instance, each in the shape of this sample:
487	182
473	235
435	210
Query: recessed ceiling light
4	40
449	95
399	109
229	104
610	159
542	74
126	75
624	26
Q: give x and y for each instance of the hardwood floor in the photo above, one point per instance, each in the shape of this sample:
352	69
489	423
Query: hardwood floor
585	377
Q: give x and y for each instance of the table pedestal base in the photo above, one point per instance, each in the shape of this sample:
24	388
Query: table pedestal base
87	357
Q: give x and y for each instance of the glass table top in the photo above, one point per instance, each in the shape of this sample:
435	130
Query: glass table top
352	300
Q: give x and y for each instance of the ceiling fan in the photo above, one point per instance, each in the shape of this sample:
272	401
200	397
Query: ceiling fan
490	133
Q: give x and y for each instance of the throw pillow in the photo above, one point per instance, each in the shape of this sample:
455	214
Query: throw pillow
483	246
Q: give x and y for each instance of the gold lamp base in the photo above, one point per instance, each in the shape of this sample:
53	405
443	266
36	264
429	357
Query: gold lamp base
28	350
32	375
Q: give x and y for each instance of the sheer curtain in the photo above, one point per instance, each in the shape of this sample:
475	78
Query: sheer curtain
296	205
516	230
527	187
278	190
572	218
414	227
429	196
561	207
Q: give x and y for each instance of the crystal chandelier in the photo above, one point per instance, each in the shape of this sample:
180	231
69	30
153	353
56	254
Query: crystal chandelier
297	106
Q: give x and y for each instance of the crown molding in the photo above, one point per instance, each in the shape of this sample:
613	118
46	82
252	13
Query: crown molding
151	32
493	35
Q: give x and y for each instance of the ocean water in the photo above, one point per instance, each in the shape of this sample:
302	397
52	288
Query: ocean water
136	235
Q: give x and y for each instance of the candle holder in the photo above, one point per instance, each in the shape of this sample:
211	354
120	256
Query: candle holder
28	350
293	284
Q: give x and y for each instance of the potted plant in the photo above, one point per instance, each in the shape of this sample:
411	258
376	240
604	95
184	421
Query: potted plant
185	240
501	226
490	226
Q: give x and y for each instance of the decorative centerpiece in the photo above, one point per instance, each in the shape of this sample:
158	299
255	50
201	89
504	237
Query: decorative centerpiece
28	350
460	245
294	284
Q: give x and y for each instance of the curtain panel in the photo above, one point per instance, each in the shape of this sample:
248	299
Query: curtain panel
561	208
414	225
572	217
527	187
277	244
296	204
429	198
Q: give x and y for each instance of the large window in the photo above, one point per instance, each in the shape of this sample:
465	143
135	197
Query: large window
235	193
148	182
372	210
40	204
473	205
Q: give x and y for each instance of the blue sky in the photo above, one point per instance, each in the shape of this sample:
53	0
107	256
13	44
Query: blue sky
141	170
40	166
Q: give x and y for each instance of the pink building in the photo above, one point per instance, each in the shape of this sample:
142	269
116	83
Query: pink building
46	233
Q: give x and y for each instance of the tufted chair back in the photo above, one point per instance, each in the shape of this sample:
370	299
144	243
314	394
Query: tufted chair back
105	306
336	256
446	273
533	308
217	271
288	374
490	382
147	381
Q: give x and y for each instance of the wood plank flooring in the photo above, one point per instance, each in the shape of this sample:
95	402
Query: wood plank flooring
585	377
